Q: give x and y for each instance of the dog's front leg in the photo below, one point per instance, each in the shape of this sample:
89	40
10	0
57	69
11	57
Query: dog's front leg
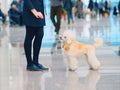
72	63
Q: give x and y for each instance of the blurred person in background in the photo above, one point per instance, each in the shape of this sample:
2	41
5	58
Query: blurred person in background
16	3
21	3
101	6
15	16
68	5
96	7
115	11
55	13
109	5
119	7
106	5
90	5
79	8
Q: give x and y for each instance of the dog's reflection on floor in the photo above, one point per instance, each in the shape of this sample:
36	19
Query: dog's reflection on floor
75	82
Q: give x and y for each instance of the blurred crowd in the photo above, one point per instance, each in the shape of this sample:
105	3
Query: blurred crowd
63	8
94	8
79	9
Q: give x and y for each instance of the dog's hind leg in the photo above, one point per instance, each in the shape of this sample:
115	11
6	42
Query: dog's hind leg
86	57
72	63
93	61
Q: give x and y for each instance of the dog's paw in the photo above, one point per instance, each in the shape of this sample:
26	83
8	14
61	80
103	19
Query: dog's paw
93	69
72	70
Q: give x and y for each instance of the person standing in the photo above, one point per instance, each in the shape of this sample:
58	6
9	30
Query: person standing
34	20
55	11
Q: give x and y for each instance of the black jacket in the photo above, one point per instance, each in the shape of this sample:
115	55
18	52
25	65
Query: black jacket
28	18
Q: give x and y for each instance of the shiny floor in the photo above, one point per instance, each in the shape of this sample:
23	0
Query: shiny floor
13	74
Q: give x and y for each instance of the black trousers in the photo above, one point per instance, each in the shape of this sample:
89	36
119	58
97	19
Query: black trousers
56	11
33	39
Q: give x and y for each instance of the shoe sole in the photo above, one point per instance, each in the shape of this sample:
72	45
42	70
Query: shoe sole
36	70
32	70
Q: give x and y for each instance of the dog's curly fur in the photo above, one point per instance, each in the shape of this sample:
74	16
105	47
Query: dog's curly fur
75	49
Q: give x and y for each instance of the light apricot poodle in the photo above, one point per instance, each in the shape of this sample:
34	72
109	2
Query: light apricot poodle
74	49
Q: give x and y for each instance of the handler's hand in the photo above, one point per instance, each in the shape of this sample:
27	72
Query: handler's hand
37	14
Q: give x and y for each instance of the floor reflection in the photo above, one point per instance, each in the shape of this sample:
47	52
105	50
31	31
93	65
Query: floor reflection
58	74
33	81
89	82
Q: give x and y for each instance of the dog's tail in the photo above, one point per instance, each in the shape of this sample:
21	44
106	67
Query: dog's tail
98	42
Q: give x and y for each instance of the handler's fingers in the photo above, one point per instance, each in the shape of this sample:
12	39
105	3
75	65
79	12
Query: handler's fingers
40	15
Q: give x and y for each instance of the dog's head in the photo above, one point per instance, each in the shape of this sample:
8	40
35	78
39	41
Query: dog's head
68	36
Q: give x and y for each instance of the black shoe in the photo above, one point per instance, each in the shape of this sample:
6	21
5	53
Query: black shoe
41	67
33	68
